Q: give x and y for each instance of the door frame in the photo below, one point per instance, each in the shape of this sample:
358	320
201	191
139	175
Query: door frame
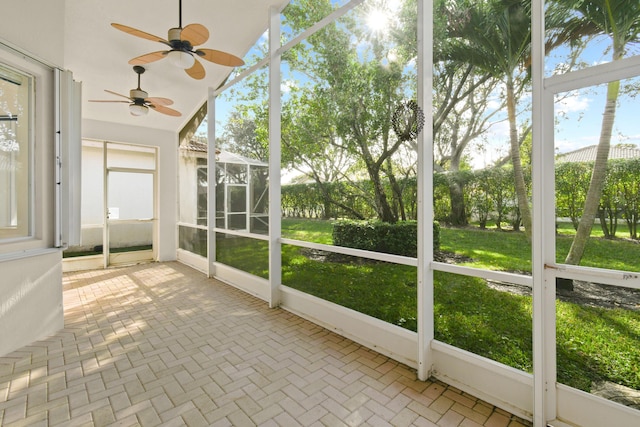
129	257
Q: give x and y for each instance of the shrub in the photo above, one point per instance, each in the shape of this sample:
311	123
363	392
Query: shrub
399	239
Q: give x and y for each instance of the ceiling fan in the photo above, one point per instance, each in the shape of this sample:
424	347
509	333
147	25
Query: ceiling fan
182	52
140	102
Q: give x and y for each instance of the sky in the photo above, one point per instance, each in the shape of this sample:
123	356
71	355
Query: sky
583	109
578	114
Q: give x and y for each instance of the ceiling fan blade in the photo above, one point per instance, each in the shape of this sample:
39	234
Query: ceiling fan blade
166	110
117	94
148	58
159	101
195	34
139	33
219	57
197	71
105	100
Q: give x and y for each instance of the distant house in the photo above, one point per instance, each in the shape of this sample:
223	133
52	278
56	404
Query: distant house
588	154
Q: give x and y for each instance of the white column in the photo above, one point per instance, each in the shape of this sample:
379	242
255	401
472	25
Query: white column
425	189
543	224
211	183
275	227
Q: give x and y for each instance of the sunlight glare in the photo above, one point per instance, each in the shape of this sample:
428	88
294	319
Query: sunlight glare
377	20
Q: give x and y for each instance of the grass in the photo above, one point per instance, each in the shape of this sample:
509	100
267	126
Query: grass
593	344
68	254
597	344
246	254
308	230
566	228
493	250
510	251
476	318
382	290
497	250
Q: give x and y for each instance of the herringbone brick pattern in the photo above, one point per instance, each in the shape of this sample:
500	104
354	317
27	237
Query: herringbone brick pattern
160	344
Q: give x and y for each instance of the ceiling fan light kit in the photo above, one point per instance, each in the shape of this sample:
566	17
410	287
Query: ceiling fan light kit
181	59
138	109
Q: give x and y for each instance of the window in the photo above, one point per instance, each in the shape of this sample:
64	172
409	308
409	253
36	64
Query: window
202	185
16	152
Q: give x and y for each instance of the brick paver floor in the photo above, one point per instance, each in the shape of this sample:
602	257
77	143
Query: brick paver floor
161	344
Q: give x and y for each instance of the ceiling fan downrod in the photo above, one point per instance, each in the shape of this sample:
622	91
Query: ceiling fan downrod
139	70
138	93
175	34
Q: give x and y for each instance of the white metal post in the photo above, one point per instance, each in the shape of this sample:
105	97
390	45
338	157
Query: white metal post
155	224
275	226
211	182
425	189
105	202
543	222
57	226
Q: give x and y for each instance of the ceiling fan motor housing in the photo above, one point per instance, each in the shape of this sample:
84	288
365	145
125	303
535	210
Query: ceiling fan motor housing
138	94
174	34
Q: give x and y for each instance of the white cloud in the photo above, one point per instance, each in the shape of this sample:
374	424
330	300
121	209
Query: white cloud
499	131
567	145
572	103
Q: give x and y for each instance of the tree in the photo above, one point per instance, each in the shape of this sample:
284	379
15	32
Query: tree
495	36
620	20
625	175
460	112
308	135
246	130
353	89
572	180
460	94
240	136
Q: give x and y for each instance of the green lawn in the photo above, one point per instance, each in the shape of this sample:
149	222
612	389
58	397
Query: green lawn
497	250
308	230
510	251
593	343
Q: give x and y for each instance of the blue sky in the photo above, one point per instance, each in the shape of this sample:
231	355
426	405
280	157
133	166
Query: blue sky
579	113
584	108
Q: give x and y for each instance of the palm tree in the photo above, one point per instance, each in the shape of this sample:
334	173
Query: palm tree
495	36
620	20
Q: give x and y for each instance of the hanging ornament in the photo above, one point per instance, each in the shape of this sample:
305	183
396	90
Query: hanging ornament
407	120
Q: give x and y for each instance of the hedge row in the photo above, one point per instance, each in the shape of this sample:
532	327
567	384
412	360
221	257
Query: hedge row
489	196
400	238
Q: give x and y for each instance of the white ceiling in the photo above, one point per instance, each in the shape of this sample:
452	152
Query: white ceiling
98	54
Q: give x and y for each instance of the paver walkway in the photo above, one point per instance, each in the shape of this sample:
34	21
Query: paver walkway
160	344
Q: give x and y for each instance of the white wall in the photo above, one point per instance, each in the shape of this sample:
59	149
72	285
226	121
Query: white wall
35	26
92	198
167	143
188	193
30	300
30	269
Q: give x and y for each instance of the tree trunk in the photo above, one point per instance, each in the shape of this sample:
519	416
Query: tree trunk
326	208
603	224
597	178
458	215
383	208
397	192
518	175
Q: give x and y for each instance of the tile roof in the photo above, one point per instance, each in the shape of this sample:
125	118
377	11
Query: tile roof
194	146
588	154
222	156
